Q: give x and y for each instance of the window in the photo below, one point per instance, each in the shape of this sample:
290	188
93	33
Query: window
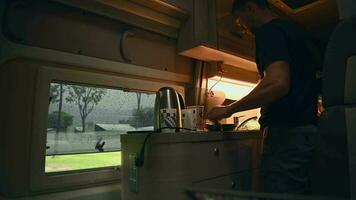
85	124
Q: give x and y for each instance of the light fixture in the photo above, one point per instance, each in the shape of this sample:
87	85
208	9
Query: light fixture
233	89
233	81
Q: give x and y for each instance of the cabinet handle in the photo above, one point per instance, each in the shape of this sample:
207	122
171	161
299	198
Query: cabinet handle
216	151
125	35
233	184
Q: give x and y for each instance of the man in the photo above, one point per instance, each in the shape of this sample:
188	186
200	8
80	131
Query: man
287	94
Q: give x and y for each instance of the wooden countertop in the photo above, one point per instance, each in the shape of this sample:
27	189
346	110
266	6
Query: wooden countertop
161	138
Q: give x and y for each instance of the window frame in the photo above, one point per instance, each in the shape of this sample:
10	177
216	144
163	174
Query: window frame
47	74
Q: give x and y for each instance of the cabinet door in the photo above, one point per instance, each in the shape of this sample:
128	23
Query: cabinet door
164	175
232	38
211	34
212	159
238	181
182	4
172	8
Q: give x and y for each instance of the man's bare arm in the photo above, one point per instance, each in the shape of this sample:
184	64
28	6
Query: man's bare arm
272	87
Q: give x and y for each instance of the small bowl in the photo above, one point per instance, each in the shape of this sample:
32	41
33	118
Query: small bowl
221	127
228	127
214	127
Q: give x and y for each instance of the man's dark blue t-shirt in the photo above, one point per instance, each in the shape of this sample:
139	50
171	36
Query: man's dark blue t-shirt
280	40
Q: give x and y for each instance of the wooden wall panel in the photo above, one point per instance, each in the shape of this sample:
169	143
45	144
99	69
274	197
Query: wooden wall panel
55	26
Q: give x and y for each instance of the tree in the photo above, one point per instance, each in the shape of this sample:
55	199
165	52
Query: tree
65	121
138	95
141	118
56	95
86	98
89	126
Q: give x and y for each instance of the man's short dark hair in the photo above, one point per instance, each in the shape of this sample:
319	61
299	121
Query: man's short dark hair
240	4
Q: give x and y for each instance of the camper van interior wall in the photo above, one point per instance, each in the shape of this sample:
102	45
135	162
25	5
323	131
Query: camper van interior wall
147	99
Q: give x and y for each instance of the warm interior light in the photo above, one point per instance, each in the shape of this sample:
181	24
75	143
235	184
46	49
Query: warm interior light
233	89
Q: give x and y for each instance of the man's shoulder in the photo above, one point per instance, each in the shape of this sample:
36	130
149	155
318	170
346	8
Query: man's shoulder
281	27
273	29
288	26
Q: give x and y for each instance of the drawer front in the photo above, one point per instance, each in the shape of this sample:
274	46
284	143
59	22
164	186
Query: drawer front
213	159
239	181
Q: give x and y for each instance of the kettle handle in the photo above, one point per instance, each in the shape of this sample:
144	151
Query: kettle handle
181	101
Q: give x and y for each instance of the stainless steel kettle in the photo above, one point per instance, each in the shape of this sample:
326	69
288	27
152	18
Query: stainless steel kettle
168	98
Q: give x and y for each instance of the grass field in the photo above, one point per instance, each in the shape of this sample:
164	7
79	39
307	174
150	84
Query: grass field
82	161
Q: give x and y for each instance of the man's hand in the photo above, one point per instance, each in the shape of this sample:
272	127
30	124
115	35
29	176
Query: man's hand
218	113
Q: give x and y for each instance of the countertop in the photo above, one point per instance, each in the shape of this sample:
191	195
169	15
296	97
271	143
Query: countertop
161	138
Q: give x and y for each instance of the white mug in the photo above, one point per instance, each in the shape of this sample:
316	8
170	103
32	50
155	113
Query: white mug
197	113
189	120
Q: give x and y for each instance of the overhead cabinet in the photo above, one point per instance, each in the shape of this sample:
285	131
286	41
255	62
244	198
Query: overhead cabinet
161	16
211	33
